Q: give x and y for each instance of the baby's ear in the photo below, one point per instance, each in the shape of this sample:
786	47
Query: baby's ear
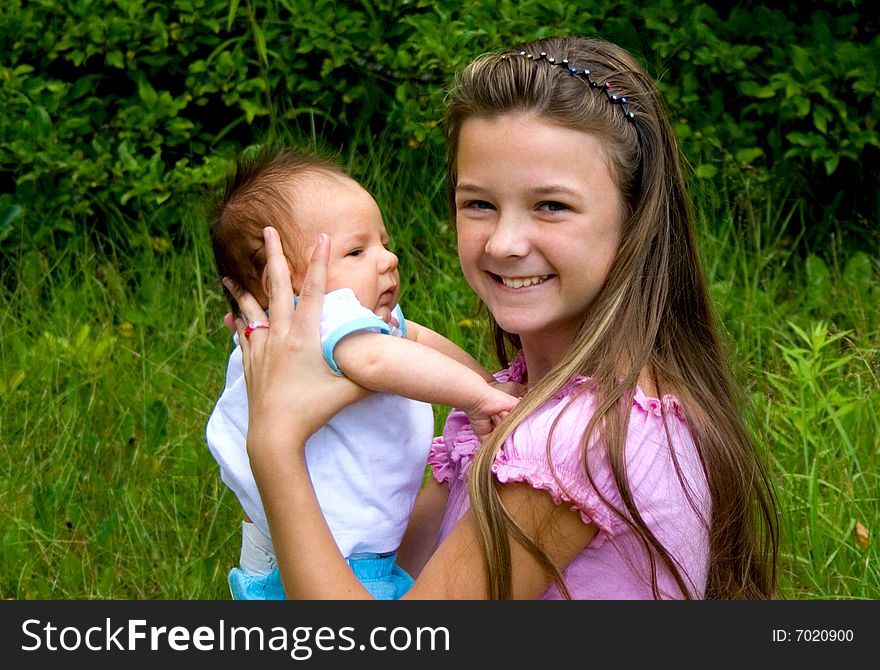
264	285
263	298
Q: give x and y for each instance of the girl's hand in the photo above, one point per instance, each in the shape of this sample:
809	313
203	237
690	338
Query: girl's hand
291	390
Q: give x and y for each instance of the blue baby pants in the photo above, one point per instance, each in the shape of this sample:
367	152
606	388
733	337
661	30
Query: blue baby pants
258	578
380	574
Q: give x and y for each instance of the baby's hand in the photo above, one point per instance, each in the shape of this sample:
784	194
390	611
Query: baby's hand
512	388
492	406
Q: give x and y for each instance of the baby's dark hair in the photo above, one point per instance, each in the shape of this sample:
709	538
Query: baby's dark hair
259	192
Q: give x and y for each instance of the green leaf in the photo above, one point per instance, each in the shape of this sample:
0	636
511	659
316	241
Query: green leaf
749	88
146	92
860	272
821	117
115	59
705	171
230	18
260	42
801	59
40	120
804	139
125	155
748	154
831	164
8	214
84	85
818	281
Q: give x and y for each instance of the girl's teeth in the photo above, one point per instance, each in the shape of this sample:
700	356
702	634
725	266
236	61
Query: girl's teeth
520	282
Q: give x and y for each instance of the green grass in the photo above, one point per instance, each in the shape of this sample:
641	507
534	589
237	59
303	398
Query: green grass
109	370
111	363
805	333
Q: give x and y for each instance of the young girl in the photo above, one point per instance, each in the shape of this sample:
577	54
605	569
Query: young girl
368	462
626	471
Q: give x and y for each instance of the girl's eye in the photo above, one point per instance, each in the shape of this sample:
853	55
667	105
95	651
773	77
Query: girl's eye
478	204
355	252
552	207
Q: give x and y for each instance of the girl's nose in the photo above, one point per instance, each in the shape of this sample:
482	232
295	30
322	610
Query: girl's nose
507	238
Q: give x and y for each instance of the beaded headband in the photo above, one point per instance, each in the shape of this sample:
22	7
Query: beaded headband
582	73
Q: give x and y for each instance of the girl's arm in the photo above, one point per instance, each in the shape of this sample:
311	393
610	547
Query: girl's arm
456	569
420	538
291	394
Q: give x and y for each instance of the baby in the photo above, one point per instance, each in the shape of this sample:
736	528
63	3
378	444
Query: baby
367	464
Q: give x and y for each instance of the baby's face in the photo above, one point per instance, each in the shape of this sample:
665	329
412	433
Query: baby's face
359	258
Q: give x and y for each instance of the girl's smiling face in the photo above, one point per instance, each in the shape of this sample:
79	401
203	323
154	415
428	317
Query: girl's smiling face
538	216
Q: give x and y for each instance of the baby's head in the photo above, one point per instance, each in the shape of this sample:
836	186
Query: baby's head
302	196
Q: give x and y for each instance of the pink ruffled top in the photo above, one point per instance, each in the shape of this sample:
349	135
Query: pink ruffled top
674	504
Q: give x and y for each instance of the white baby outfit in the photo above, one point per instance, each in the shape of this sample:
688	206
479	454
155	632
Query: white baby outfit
366	464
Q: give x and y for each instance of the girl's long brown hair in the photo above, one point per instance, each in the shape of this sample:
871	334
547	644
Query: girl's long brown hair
653	314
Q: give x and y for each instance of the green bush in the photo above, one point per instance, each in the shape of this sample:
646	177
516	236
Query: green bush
114	109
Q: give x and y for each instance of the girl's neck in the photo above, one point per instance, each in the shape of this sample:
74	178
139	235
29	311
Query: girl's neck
540	358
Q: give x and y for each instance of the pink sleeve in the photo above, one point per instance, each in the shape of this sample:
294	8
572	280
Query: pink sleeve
525	458
457	443
558	468
438	459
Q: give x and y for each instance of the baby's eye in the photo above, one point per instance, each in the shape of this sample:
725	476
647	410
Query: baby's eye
355	252
552	206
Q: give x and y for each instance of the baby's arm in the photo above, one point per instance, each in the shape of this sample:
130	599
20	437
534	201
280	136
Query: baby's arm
436	341
405	367
430	338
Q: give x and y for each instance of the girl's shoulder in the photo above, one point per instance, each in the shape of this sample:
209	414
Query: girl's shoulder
552	450
561	424
579	395
563	420
580	389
